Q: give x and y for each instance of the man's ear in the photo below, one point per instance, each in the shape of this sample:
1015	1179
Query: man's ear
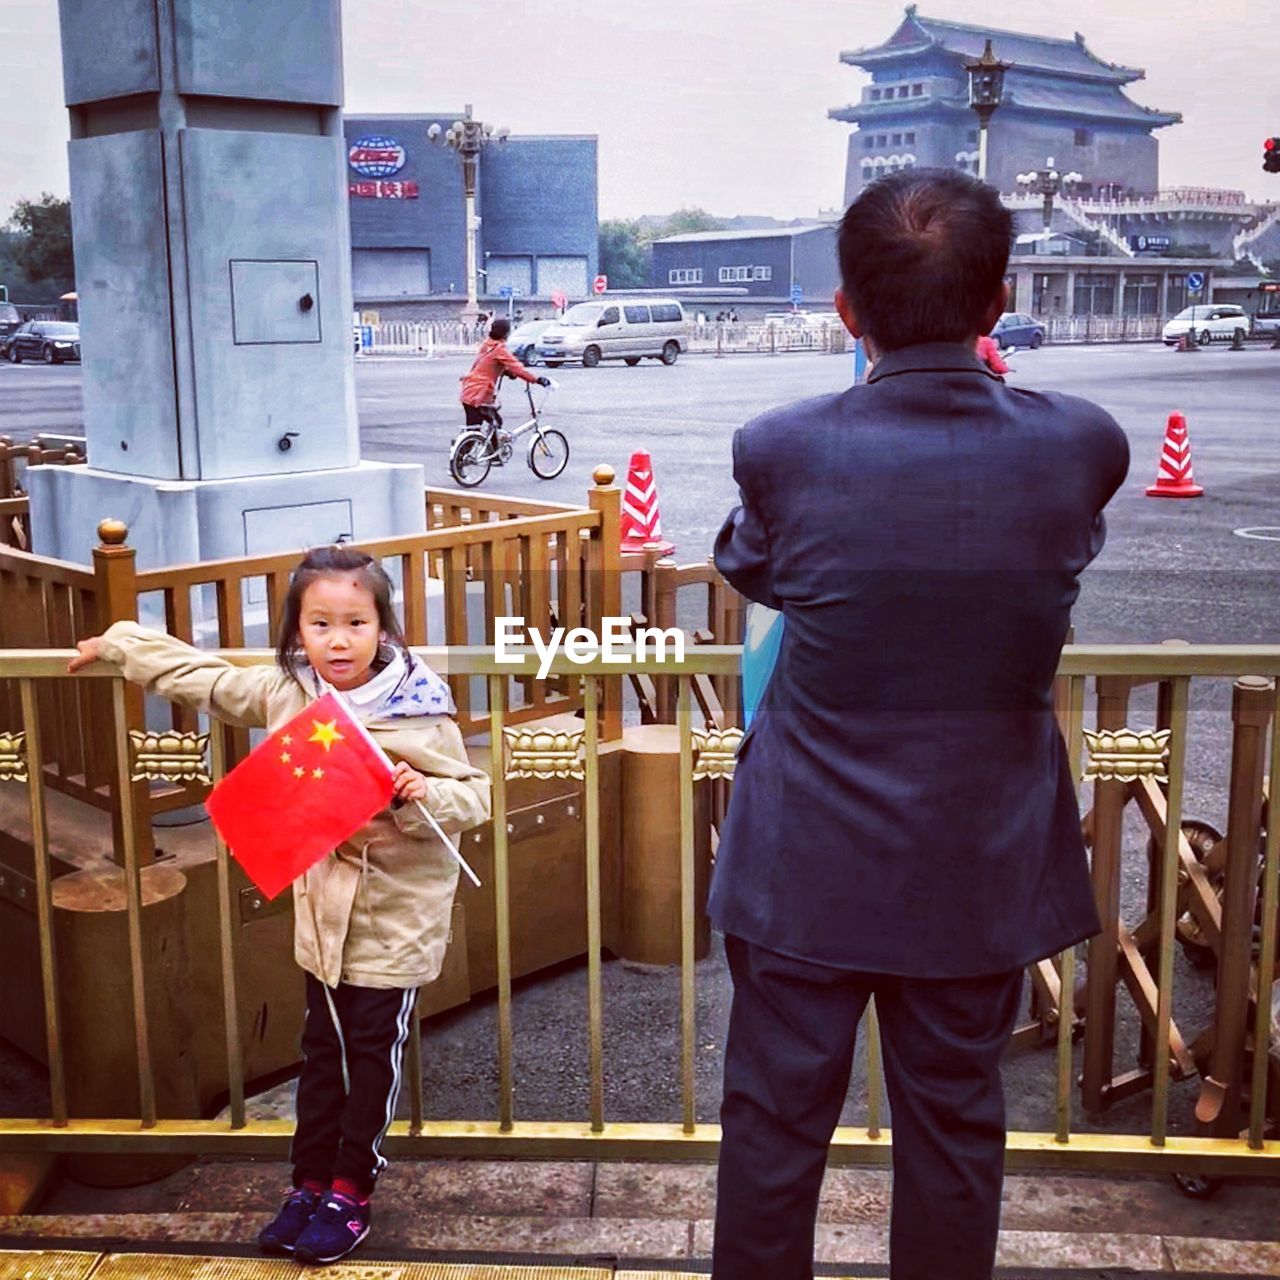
997	307
847	315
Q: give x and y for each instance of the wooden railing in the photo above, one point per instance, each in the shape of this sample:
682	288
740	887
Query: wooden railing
480	558
16	458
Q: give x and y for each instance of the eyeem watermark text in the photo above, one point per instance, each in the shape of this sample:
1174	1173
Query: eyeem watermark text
617	643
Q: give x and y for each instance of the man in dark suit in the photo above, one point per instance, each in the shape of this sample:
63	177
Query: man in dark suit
904	821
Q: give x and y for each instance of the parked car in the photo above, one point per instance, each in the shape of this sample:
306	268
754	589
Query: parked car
630	331
1015	329
52	341
523	339
1205	322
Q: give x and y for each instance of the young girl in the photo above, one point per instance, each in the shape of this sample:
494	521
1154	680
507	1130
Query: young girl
372	918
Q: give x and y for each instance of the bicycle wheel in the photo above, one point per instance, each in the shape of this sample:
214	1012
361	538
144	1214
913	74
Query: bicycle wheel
548	454
470	459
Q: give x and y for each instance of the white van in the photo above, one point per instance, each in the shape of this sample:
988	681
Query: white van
630	330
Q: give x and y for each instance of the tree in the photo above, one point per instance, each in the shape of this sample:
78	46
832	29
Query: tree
42	248
686	221
624	246
624	254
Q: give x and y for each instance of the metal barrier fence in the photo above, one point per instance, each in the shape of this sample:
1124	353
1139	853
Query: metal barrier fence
450	337
1116	757
1073	329
417	338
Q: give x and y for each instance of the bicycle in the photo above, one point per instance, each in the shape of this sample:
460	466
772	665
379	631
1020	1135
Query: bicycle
476	450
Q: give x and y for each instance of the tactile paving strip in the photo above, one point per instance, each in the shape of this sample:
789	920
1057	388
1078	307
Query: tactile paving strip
40	1264
156	1266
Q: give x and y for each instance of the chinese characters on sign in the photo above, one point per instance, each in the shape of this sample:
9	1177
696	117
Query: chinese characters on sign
377	159
378	190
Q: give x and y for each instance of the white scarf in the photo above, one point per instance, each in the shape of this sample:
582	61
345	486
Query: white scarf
400	691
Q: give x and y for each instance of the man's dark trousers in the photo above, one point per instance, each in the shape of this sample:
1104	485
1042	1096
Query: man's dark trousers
787	1064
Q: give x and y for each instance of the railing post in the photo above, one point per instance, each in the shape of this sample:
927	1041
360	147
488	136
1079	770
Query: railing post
1219	1108
8	480
606	595
1108	831
665	575
115	568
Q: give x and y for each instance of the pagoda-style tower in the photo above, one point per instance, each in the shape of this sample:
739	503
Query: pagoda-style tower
1060	100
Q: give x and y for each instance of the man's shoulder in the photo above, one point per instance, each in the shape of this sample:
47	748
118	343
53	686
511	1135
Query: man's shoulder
781	423
1056	410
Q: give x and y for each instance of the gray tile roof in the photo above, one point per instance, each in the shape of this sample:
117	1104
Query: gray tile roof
918	34
761	233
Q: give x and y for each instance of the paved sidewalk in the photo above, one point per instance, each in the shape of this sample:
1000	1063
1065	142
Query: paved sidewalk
653	1215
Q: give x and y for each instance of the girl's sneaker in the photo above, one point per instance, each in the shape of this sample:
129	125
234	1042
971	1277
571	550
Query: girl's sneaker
281	1234
338	1225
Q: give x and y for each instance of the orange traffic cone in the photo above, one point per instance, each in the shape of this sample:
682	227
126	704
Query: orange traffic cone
641	524
1173	476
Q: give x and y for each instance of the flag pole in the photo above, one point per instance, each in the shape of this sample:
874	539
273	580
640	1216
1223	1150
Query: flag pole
426	813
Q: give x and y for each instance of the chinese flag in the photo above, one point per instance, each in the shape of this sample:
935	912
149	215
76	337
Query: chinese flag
296	797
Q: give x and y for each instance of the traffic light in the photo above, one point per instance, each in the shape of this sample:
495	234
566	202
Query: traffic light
1271	155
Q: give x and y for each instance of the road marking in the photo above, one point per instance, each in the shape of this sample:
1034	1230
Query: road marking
1261	533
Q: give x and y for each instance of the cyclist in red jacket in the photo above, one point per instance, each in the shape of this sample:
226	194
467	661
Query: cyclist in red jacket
988	352
491	362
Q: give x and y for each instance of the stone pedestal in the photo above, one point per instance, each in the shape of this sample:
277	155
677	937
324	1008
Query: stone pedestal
213	267
182	522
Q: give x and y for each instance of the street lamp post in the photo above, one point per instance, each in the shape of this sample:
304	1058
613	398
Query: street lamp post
986	88
1047	182
468	138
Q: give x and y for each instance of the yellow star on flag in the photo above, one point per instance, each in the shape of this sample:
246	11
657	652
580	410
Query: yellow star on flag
317	773
286	740
285	757
325	734
299	772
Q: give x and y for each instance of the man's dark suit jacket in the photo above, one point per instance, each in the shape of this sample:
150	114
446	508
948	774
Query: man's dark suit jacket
903	801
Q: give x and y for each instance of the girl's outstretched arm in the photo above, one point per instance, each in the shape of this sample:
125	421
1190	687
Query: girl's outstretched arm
183	674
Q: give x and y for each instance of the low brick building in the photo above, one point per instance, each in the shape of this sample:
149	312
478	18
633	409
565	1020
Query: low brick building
536	199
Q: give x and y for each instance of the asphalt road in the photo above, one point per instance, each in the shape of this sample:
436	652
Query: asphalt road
1170	569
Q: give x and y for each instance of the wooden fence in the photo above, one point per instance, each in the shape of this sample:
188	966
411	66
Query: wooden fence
480	558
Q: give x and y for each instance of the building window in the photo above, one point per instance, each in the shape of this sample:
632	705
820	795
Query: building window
917	91
1141	295
897	139
875	95
973	135
1084	138
904	91
762	273
909	139
882	140
684	275
868	141
1095	294
735	275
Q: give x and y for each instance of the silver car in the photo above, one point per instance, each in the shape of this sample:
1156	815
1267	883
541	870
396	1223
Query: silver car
631	330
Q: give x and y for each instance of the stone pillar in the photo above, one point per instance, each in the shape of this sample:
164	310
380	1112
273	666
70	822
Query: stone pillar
213	264
1120	284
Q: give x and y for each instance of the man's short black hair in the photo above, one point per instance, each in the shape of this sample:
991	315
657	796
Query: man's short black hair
922	254
500	328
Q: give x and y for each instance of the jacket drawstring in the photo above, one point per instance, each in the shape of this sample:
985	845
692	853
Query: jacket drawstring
342	1043
362	892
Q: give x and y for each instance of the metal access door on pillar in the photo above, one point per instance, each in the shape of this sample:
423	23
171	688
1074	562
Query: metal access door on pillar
267	300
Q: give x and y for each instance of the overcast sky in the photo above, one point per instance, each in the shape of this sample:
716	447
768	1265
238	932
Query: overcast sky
716	103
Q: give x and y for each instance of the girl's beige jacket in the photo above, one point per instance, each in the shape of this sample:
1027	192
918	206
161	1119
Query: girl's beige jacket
376	912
